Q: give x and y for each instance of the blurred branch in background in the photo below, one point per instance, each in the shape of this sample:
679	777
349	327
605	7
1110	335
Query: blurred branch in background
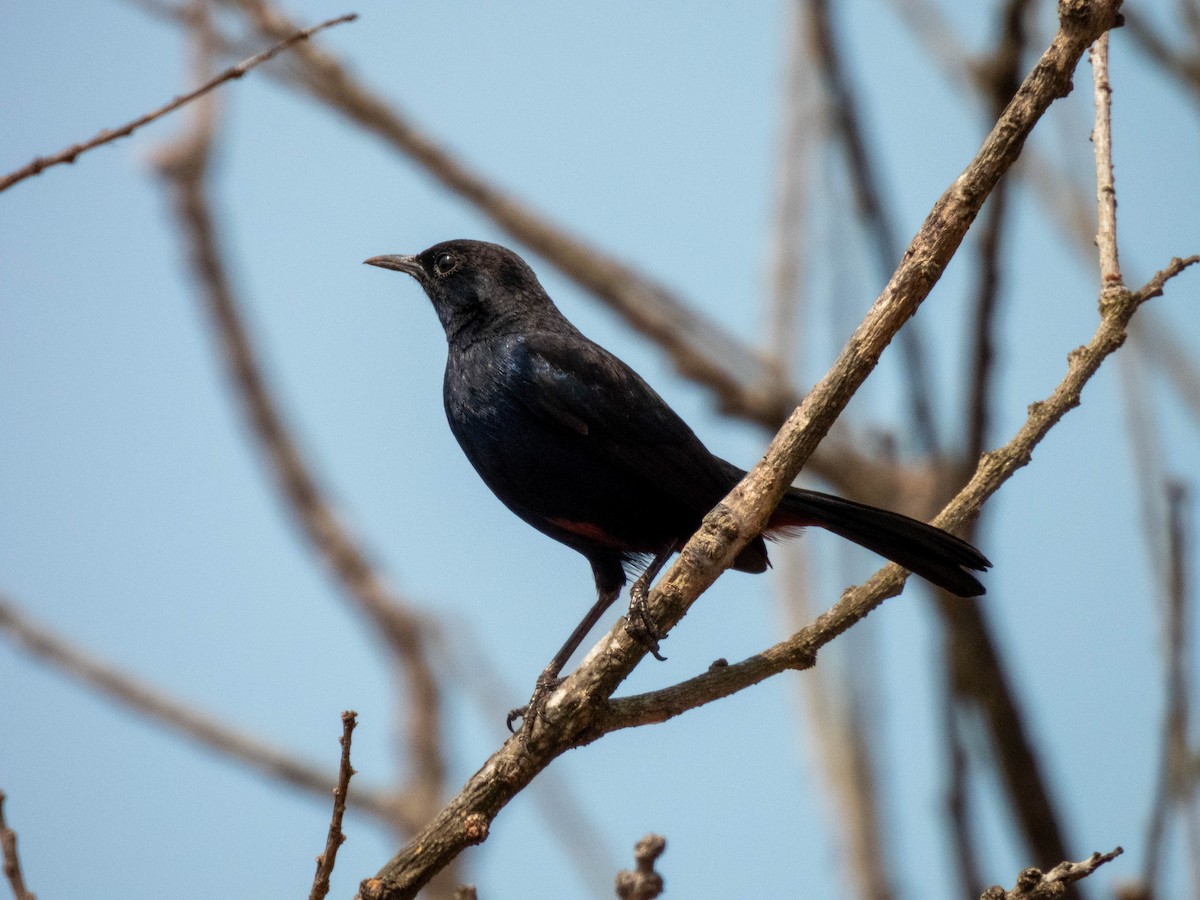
1064	201
1179	65
1178	790
835	729
842	111
184	166
205	730
833	726
976	671
976	679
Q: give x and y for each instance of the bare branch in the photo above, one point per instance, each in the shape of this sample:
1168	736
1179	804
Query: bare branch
643	883
1033	884
335	839
12	862
111	134
799	651
1060	197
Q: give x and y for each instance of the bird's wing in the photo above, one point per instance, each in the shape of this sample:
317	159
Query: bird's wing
582	388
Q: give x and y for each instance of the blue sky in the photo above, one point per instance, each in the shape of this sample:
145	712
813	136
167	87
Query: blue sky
138	522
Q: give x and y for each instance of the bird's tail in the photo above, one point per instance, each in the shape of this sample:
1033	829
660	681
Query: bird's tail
937	556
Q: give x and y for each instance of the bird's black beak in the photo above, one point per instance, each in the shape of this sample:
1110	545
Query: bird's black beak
409	264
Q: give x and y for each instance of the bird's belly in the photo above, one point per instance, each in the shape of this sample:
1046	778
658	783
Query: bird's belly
565	486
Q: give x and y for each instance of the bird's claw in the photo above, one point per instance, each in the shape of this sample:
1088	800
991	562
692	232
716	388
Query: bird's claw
532	711
639	625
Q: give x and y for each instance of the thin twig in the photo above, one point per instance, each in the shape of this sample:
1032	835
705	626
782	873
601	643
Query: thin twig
1060	196
643	883
335	838
162	709
1106	194
12	861
111	134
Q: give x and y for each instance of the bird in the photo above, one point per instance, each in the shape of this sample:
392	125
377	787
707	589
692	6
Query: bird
579	446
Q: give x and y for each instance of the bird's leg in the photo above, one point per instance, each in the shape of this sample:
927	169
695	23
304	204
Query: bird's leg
549	680
640	627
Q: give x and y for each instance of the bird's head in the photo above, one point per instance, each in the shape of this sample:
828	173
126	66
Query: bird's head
476	287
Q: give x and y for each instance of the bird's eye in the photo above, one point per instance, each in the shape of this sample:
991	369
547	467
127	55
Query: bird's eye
444	263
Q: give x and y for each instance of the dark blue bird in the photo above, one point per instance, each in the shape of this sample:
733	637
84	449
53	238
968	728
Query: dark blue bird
574	442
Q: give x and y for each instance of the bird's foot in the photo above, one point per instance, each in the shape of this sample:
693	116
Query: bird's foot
639	624
547	684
